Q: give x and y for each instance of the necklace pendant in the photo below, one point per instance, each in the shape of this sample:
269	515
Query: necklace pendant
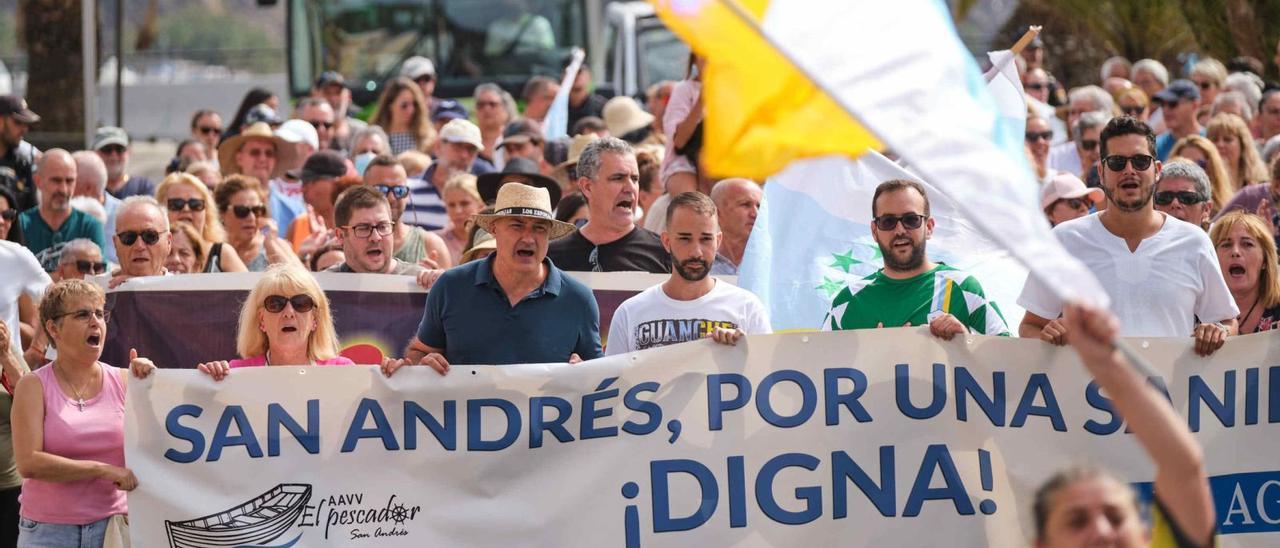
80	404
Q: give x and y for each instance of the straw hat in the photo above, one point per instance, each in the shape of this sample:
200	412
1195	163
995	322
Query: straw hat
520	200
228	149
576	146
484	242
623	115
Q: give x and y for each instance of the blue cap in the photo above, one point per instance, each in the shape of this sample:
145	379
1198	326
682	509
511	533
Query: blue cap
443	110
1178	90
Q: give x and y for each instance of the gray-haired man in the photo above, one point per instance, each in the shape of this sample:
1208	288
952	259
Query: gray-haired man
1183	192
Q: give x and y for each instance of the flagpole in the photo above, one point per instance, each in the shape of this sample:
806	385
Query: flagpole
1017	48
1141	364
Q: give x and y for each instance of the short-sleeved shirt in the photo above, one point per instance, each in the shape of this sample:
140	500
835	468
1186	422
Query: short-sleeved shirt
135	186
1165	142
652	318
640	250
22	276
469	316
1159	290
41	237
426	207
881	301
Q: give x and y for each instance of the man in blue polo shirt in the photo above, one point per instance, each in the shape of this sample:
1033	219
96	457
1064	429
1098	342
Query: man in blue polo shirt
541	314
54	222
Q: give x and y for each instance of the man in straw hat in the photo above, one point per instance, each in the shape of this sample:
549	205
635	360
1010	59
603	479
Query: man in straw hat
543	315
259	153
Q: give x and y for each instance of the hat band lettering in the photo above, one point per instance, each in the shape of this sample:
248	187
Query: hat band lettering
525	211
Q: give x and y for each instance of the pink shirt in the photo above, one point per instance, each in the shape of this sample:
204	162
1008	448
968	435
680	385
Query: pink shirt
679	107
258	361
94	434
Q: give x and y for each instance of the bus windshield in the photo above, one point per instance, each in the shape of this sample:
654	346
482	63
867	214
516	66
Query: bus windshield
470	41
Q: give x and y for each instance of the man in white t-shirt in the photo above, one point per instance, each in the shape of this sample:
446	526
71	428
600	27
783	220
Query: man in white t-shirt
22	276
1161	273
691	304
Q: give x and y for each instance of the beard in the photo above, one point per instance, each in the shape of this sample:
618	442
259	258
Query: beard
1130	206
912	262
693	270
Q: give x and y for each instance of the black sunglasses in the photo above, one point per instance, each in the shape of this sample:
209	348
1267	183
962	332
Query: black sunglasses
910	221
91	267
1037	86
301	303
210	130
1133	111
176	204
322	125
1089	144
399	191
9	214
149	237
1043	135
1186	197
244	211
1140	162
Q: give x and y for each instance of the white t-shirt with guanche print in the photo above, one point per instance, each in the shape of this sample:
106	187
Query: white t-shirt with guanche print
652	319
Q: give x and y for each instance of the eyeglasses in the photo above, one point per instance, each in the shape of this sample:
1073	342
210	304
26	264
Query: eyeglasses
399	191
210	130
322	125
1133	111
177	204
149	237
424	79
1073	203
1186	197
364	230
301	303
91	267
1089	144
1140	162
1037	86
111	149
85	314
9	214
241	211
910	221
1043	135
1204	85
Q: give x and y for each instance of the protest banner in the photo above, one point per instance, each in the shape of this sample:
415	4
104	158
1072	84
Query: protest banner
177	323
866	438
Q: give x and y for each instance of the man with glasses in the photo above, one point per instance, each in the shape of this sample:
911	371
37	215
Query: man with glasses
365	231
319	113
206	127
332	87
1183	192
1180	101
1036	83
1085	139
318	175
112	144
911	289
412	244
142	239
54	221
80	258
1162	274
17	157
610	241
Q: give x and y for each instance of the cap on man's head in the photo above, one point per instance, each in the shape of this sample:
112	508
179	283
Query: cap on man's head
330	78
16	108
462	131
447	109
325	164
1178	90
110	135
416	67
299	131
262	113
523	130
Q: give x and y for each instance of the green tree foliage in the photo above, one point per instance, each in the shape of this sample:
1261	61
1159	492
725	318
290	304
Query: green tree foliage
232	40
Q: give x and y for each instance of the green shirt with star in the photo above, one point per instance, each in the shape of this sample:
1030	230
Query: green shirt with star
881	301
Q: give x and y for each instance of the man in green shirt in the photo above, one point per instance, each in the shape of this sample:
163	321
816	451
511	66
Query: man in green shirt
910	289
54	222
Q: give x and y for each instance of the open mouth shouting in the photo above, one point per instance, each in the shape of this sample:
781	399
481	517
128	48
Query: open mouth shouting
94	340
626	203
1236	271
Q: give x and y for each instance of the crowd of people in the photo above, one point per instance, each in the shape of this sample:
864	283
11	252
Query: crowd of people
1161	187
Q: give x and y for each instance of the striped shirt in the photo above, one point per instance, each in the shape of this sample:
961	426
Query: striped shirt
426	207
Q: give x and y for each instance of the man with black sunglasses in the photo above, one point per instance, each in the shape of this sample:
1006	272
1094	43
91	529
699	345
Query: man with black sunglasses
1162	274
911	289
319	113
1183	192
412	244
142	239
78	259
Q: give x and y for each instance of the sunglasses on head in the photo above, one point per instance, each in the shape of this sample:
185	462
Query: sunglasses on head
910	221
91	267
301	303
210	130
1140	162
1186	197
399	191
149	237
1033	136
9	214
176	204
241	211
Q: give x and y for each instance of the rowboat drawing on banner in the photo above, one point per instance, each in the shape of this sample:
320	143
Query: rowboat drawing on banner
255	522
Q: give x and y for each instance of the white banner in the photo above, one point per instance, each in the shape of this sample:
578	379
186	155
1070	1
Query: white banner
869	438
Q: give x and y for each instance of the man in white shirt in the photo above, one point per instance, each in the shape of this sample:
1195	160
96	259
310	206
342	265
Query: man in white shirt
1162	275
22	277
691	304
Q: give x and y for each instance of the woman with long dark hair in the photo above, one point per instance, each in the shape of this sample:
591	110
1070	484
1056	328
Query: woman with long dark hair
255	97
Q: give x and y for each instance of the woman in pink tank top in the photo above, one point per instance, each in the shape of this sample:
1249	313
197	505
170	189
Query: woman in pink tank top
285	321
68	426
